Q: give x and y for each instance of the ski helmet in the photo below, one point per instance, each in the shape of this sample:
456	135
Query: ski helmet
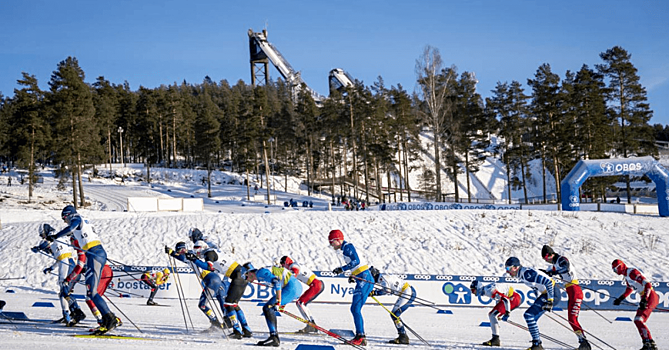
45	230
286	261
179	247
512	261
210	256
618	266
336	235
546	251
474	286
375	273
249	267
195	234
68	212
166	271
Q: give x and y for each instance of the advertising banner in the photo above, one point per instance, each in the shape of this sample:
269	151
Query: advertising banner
441	291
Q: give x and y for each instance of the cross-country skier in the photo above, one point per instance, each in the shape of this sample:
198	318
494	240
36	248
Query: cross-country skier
561	267
545	288
636	281
506	300
315	285
214	289
96	257
203	246
79	271
230	272
72	314
286	289
395	285
153	280
364	282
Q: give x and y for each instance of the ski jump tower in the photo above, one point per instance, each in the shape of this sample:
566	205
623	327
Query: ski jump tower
262	52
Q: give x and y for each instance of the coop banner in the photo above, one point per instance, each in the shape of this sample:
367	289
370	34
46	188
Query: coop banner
445	206
432	290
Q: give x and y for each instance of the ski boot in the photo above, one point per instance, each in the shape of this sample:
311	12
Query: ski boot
494	341
536	345
151	302
649	345
246	333
309	329
69	322
214	326
402	339
2	304
584	344
359	339
235	334
78	315
109	322
273	340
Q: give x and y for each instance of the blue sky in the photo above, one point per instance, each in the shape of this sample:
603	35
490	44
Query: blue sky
150	43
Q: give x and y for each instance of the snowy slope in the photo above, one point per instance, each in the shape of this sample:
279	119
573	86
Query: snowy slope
436	242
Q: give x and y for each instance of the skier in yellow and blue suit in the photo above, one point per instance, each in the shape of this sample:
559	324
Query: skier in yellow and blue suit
286	290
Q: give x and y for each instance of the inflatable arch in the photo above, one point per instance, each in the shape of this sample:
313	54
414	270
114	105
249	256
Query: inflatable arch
615	167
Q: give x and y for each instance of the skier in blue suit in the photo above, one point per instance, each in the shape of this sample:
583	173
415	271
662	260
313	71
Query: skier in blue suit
360	274
546	299
96	257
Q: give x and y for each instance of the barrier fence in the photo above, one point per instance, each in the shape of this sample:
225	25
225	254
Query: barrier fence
442	290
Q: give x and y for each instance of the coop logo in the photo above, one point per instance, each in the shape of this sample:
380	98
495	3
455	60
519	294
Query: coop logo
422	277
402	276
457	293
444	278
467	278
327	274
490	279
585	282
184	269
116	268
138	268
606	283
573	201
607	167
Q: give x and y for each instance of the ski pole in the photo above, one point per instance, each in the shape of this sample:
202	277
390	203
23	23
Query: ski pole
565	326
584	331
399	319
583	302
422	301
179	293
332	334
556	341
211	302
122	313
12	278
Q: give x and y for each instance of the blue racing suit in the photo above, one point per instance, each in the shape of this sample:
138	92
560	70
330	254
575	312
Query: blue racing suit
285	287
364	284
544	286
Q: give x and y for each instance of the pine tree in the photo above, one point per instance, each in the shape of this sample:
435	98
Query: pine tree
75	129
106	112
626	99
207	140
29	131
548	123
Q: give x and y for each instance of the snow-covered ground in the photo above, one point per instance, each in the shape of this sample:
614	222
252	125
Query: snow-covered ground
475	242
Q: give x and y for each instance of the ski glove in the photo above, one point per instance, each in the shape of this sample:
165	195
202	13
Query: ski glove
618	300
47	270
34	249
338	271
168	250
50	238
643	303
191	256
66	287
372	293
351	279
548	306
505	317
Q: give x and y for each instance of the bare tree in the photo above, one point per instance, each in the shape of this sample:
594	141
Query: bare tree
433	83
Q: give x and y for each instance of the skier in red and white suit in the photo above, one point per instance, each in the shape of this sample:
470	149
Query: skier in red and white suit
636	281
316	287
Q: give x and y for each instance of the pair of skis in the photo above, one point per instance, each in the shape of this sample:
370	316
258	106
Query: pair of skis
325	331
